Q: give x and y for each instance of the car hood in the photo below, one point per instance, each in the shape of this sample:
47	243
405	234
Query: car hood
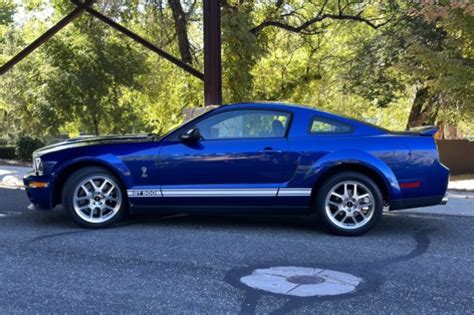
91	140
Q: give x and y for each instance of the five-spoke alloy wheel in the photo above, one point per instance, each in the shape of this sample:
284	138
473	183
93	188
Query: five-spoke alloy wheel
349	203
93	198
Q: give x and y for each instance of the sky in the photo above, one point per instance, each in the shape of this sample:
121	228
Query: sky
22	15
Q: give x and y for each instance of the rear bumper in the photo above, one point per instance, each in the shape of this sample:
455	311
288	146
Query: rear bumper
444	200
418	202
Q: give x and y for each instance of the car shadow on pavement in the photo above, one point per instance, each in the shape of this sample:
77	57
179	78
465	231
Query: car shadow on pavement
391	224
231	221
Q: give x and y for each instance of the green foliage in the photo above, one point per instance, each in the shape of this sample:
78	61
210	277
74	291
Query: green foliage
89	79
92	71
241	51
7	9
432	55
25	146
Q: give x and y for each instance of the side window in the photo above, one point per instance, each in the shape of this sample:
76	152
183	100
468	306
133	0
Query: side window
328	126
245	124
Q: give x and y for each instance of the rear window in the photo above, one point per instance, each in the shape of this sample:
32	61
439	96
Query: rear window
320	125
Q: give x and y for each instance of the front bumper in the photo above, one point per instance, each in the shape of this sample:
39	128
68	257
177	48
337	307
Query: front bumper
37	207
39	191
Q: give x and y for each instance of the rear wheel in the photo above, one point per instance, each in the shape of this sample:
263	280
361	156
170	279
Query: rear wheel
94	198
349	203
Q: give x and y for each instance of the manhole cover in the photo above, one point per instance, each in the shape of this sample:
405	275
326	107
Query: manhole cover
301	281
305	279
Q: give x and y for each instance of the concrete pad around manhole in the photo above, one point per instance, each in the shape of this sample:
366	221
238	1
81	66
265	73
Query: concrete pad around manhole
302	281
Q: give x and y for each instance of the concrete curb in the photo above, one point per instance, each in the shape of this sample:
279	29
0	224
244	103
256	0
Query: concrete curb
461	186
11	177
461	191
11	181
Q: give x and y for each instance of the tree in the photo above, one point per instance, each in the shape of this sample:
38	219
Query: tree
388	62
180	22
431	57
94	67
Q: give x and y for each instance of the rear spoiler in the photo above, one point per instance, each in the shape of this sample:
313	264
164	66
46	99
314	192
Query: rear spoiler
428	131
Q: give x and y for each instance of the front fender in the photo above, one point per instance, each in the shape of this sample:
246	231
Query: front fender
364	159
109	161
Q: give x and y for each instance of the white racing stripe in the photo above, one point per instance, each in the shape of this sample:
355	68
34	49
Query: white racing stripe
237	192
294	192
219	192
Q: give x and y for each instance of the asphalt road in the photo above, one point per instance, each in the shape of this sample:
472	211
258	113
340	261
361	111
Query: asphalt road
410	263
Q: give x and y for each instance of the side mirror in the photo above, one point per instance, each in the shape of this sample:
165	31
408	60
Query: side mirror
192	135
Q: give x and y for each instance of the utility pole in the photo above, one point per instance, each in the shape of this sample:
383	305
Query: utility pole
212	53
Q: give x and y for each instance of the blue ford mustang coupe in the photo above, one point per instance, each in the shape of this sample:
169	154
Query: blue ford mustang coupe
250	158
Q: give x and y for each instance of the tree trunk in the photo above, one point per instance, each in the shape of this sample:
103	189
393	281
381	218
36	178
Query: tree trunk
95	123
180	25
424	109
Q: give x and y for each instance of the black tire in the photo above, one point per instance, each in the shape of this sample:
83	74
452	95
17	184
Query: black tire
72	184
336	180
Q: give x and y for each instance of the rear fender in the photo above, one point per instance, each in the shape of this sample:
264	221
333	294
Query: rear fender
354	157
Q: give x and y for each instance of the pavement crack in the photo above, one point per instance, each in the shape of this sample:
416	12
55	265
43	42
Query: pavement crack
295	287
117	226
422	244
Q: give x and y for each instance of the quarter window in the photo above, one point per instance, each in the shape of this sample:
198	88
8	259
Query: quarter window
245	124
328	126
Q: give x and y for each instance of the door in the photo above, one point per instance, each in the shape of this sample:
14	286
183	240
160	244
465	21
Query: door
239	160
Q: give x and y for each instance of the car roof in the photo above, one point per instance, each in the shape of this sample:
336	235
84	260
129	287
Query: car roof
287	106
270	104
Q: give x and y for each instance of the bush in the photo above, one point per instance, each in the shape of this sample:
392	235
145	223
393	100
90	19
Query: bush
25	146
7	152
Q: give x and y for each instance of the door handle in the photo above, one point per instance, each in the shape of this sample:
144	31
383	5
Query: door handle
270	151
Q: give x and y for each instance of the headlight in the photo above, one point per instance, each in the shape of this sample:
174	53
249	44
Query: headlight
38	166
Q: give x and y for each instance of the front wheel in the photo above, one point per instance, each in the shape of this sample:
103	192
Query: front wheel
94	198
349	203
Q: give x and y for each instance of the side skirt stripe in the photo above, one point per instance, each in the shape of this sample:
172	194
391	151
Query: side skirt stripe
294	192
236	192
